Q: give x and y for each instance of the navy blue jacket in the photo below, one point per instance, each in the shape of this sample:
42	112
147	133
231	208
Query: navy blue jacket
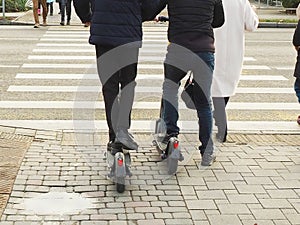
118	22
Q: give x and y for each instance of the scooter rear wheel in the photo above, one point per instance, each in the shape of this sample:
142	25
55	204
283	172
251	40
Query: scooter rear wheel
120	184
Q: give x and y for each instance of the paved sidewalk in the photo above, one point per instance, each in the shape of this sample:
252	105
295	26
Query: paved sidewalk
59	177
62	180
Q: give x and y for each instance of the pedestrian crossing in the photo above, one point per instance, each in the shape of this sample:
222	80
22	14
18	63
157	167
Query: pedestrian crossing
63	62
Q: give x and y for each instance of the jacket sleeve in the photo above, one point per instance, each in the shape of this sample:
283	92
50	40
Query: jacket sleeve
151	8
296	37
219	17
251	19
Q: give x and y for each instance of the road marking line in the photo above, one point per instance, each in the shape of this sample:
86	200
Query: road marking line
139	76
141	89
147	58
138	105
285	68
47	50
9	66
262	77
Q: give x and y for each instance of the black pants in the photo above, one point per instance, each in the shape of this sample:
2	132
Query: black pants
117	69
83	9
50	8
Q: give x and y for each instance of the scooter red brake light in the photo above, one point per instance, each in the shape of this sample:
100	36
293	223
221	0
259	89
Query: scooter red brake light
176	144
120	162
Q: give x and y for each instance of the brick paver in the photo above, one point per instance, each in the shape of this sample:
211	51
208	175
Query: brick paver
240	187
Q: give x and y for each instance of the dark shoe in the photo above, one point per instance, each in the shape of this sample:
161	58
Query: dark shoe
68	23
208	159
298	120
165	141
62	23
126	139
51	14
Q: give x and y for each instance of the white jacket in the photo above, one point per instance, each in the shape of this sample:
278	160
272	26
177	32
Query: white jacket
229	42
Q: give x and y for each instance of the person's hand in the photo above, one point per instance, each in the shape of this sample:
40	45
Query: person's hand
297	48
254	8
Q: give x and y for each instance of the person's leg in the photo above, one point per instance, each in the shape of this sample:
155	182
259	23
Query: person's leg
35	7
83	10
48	7
220	117
297	91
297	88
203	79
68	10
62	11
110	91
51	8
171	85
45	11
127	80
59	6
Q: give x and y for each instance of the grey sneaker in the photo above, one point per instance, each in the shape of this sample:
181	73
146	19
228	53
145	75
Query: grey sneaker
126	139
208	160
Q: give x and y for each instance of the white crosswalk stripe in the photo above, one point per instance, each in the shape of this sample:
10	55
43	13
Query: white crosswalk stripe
139	89
61	52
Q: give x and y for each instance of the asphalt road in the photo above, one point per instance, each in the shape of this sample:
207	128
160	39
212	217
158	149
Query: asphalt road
42	69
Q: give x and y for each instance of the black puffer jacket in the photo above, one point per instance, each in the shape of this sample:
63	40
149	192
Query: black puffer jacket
118	22
296	43
191	23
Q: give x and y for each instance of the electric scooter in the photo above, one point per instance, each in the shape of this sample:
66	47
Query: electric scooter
119	162
171	152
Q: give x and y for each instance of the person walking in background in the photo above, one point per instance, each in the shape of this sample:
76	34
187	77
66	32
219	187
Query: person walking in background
83	9
230	44
66	8
59	5
116	32
35	12
296	43
50	6
191	47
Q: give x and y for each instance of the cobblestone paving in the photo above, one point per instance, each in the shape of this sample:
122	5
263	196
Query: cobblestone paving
12	151
255	180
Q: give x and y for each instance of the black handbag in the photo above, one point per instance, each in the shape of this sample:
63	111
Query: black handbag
187	93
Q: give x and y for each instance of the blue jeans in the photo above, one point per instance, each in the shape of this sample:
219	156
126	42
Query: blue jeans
176	67
66	8
297	88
